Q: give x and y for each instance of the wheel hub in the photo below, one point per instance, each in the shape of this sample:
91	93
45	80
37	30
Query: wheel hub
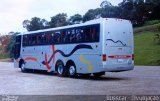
60	69
72	70
22	67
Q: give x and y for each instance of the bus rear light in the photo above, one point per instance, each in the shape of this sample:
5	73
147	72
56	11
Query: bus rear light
111	57
132	56
104	58
119	56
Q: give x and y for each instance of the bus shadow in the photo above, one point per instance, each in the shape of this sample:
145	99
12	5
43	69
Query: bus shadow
40	72
103	78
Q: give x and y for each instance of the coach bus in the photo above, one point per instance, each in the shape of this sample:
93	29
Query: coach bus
94	47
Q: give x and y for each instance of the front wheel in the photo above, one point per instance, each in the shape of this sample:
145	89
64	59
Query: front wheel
72	71
22	66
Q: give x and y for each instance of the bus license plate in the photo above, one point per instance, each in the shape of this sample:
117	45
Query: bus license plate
121	60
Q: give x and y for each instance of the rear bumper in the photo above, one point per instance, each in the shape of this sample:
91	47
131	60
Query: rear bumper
117	67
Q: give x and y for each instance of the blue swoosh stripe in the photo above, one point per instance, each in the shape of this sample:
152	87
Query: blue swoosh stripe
80	46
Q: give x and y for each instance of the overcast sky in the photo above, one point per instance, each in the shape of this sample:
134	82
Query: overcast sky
14	12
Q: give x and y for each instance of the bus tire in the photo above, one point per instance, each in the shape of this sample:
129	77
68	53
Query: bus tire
72	70
99	74
60	68
22	66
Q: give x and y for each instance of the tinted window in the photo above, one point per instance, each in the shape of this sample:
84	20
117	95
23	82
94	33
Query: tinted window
82	34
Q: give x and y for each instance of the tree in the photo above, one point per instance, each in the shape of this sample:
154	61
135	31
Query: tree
153	7
58	20
75	19
105	4
126	7
138	11
11	43
134	10
108	10
35	24
92	14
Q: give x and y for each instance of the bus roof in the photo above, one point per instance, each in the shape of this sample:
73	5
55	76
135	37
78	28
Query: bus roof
95	21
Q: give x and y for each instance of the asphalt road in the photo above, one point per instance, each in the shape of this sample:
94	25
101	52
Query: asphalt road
142	80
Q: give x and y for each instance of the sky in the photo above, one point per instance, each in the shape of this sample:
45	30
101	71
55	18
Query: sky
14	12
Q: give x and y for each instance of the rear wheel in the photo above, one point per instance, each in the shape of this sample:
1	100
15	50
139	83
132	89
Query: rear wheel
72	70
61	70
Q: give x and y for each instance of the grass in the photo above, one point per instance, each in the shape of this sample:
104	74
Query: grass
4	56
151	22
150	28
147	52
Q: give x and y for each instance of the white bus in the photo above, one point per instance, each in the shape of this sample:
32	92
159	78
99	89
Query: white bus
94	47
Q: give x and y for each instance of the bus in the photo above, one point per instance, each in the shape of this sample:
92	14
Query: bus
90	48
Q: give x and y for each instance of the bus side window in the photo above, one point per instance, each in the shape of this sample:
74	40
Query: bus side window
43	39
29	40
68	35
33	39
73	36
48	38
25	40
38	39
97	33
57	37
92	34
63	36
53	36
78	35
87	34
82	35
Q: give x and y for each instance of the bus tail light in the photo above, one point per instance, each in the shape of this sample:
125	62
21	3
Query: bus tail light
104	58
132	56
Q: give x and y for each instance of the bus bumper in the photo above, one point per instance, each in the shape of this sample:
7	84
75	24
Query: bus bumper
117	67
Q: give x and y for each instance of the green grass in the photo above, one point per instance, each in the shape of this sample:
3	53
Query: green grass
150	28
151	22
147	52
4	56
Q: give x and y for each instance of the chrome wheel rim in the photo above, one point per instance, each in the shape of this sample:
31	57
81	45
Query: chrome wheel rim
72	70
23	66
60	69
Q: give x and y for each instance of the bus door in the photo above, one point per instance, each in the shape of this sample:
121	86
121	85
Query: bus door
17	47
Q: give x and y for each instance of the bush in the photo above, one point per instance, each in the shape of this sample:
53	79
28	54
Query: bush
11	44
152	22
157	38
4	56
158	27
